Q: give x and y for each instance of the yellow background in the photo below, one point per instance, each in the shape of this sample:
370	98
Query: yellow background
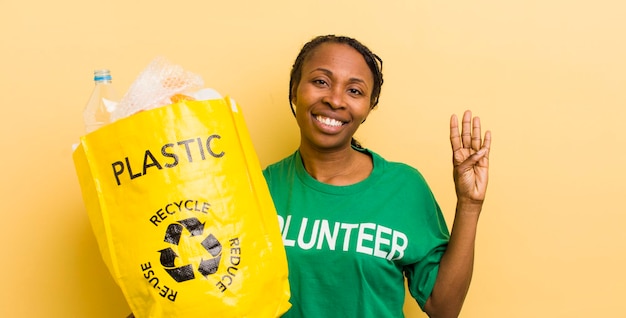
547	77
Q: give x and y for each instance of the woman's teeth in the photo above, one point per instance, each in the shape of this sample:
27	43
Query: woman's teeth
328	121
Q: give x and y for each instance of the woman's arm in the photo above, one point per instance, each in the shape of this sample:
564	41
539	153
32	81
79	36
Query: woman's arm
471	165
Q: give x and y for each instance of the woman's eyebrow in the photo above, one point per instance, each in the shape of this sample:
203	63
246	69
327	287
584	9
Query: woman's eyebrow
330	73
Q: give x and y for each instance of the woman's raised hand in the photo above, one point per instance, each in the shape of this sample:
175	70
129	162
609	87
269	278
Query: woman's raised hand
470	158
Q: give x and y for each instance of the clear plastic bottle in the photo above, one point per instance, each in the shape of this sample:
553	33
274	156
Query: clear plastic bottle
102	103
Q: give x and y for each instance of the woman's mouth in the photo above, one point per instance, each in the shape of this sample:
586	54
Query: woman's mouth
328	121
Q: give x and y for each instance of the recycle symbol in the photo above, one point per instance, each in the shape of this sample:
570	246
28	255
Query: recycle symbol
173	235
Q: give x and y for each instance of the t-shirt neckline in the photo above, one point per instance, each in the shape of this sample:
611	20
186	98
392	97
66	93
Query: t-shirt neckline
311	182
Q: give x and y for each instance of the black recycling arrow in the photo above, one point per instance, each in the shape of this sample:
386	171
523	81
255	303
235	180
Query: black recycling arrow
168	257
209	266
173	232
182	273
212	245
193	225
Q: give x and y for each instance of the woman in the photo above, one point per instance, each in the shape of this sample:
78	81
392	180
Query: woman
354	225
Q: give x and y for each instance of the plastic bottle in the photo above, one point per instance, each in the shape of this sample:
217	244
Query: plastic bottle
102	103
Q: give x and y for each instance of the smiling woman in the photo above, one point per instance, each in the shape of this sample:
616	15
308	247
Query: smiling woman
374	63
332	99
355	225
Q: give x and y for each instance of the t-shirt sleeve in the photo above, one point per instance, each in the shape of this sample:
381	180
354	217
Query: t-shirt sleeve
422	274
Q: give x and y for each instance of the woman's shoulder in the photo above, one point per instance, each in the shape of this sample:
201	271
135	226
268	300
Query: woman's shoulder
396	172
391	166
400	178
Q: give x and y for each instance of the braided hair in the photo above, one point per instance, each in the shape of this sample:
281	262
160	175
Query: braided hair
373	61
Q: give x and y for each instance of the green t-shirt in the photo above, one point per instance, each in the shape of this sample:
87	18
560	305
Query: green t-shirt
348	247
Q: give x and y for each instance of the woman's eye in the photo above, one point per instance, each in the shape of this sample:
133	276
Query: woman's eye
355	91
319	82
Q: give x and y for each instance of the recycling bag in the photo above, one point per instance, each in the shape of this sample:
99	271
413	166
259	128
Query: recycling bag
182	215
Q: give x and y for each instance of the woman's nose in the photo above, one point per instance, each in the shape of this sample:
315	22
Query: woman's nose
334	98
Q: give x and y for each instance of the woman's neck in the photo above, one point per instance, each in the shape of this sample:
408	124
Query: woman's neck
341	167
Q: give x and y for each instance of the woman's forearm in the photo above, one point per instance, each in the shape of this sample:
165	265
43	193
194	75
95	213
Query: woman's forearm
457	264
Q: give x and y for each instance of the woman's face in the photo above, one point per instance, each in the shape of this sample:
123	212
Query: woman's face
332	98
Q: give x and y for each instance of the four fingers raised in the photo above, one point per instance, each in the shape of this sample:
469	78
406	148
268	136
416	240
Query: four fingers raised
470	136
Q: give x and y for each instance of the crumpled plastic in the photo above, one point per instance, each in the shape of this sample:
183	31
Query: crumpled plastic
155	86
